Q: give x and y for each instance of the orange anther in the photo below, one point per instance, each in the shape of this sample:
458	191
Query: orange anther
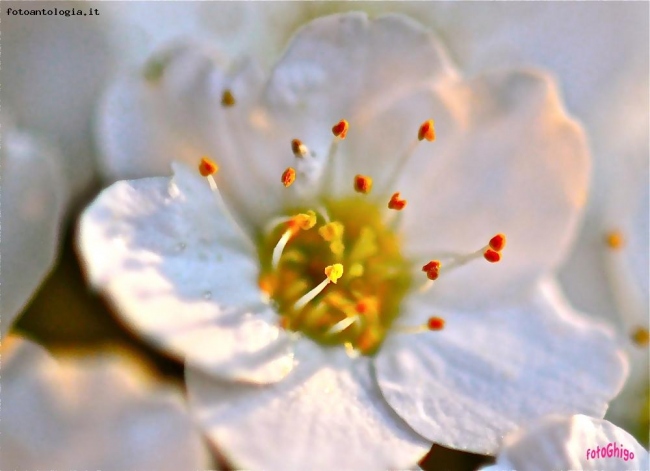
227	99
362	184
435	323
641	336
299	149
492	256
432	269
304	221
427	131
615	240
498	242
207	167
396	202
288	176
340	129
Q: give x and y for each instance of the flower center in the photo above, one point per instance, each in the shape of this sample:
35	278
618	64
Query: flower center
358	307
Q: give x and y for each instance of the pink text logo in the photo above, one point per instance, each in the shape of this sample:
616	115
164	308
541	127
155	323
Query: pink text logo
612	450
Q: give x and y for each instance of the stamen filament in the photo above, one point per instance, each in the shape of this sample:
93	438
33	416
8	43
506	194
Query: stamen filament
342	325
333	273
339	130
279	248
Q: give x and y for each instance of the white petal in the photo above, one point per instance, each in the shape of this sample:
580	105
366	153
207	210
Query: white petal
328	414
489	372
97	413
55	67
180	273
514	163
144	125
558	442
361	68
32	208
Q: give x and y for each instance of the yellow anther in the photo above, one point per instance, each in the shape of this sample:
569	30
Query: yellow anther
337	247
334	272
615	240
427	131
207	167
304	221
331	231
640	336
355	270
227	99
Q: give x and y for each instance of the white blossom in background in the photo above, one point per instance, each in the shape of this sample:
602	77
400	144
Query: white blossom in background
218	272
33	196
53	71
576	442
99	412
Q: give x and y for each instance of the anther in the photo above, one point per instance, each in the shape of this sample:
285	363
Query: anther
331	231
432	324
227	99
640	336
288	177
615	240
362	184
340	129
396	202
435	323
432	269
492	256
299	149
498	242
304	221
207	167
427	131
332	274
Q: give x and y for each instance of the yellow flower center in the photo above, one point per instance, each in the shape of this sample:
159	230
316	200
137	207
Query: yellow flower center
358	306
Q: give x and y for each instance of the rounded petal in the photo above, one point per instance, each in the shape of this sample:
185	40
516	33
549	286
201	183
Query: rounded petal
97	413
513	163
180	272
33	195
328	414
488	373
54	69
362	67
560	442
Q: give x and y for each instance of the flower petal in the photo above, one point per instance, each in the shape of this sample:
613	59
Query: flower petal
180	272
53	72
558	442
362	67
97	413
328	414
488	373
513	163
32	200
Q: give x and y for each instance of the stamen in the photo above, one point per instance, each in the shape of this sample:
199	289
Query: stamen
300	150
331	231
279	248
332	273
427	131
434	268
304	221
432	324
342	325
227	99
340	129
615	240
288	177
207	167
492	256
362	184
396	202
640	336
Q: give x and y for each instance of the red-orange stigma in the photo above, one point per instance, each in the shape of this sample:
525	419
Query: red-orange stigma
207	167
362	184
288	177
427	131
340	129
396	202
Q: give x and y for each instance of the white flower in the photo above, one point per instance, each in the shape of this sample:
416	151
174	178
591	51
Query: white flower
32	207
54	68
226	296
100	412
576	442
